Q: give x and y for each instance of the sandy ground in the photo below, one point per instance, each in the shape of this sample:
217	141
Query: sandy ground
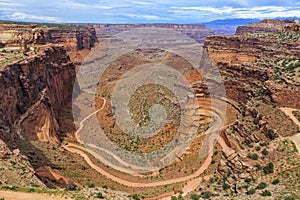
10	195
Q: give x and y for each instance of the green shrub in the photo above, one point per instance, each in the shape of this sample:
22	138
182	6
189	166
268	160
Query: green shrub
99	195
135	197
91	185
180	197
173	198
266	193
30	190
12	162
258	166
289	198
226	186
206	194
253	156
261	186
275	181
265	152
251	191
195	197
269	168
248	180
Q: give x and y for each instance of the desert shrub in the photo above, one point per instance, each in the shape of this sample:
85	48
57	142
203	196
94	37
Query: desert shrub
251	191
99	195
253	156
180	197
173	198
261	186
258	166
269	168
135	197
275	181
195	197
266	193
226	186
248	180
91	185
206	194
289	198
265	152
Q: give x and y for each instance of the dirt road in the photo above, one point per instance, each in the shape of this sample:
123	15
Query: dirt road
192	180
10	195
295	138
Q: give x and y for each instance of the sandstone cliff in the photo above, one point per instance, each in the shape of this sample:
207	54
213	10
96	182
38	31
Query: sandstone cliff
32	92
196	31
260	64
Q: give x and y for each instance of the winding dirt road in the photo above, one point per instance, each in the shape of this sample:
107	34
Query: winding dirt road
192	180
295	138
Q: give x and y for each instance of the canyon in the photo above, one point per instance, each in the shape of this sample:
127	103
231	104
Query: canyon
260	69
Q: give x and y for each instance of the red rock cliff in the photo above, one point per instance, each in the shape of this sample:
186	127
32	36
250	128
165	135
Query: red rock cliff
32	91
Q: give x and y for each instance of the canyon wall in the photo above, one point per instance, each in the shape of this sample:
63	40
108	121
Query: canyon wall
196	31
15	35
32	91
258	64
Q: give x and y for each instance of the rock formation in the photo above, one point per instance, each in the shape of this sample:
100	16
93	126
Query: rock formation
251	62
32	92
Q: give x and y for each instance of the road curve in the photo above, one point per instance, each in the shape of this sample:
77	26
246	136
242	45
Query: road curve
295	138
193	179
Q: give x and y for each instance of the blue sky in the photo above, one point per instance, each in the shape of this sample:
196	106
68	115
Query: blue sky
144	11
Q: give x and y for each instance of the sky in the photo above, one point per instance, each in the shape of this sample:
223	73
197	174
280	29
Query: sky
144	11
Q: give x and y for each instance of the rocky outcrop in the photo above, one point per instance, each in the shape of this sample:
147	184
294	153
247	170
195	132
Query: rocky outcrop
29	37
254	47
84	38
32	91
249	62
268	25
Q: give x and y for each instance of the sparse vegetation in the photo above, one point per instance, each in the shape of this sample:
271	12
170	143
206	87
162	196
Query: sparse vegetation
266	193
251	191
206	194
195	197
261	186
135	197
99	195
226	186
275	181
253	156
269	168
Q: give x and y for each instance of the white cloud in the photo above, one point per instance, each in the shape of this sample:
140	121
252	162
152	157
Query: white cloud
78	5
9	4
266	15
222	10
230	12
145	17
26	16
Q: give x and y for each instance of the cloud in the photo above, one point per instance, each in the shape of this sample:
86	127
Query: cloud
20	16
145	17
71	4
135	11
